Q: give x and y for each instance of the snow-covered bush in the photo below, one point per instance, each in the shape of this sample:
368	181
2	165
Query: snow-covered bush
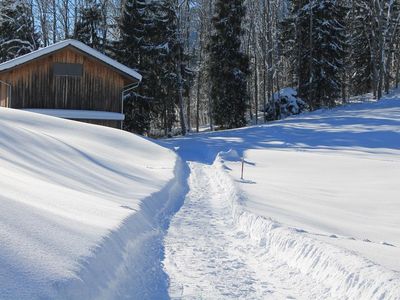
284	104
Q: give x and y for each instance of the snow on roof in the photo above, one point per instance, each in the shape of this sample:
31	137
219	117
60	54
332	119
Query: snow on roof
60	45
79	114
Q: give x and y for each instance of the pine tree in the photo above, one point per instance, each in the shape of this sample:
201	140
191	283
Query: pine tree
287	41
316	45
91	26
229	67
17	32
164	55
328	52
302	13
134	50
151	44
360	55
175	77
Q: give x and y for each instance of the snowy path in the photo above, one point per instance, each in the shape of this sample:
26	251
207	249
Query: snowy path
207	257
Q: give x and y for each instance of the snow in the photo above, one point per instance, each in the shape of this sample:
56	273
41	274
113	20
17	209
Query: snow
89	212
284	103
362	192
319	201
207	256
78	114
60	45
82	209
287	98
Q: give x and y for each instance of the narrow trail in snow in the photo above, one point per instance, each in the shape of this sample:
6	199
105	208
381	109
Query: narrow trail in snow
206	257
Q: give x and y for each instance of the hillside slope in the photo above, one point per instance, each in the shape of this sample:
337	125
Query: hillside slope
79	205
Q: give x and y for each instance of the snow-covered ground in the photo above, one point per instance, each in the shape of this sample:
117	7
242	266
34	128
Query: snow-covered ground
316	215
209	257
82	210
89	212
345	198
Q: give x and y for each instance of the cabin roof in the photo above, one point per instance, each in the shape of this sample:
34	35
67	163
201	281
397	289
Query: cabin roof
63	44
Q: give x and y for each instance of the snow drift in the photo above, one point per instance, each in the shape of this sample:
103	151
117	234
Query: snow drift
78	205
347	274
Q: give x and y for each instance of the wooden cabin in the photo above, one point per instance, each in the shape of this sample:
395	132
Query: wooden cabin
68	80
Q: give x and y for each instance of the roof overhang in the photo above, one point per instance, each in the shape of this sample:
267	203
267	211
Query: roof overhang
11	64
79	114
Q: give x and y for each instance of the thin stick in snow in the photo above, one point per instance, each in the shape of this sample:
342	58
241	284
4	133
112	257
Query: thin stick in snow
241	176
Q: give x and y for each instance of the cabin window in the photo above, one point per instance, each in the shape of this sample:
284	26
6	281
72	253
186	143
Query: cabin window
64	69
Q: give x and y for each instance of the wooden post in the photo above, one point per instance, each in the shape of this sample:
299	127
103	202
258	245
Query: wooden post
241	176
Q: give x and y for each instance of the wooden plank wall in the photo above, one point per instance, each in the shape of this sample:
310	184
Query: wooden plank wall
3	95
34	85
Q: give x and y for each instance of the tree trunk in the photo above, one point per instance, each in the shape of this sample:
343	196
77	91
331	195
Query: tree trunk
398	66
381	63
256	85
310	87
374	67
180	92
198	102
387	71
270	77
54	21
264	57
210	102
199	80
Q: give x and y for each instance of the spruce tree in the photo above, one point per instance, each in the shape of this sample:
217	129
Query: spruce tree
229	67
317	46
290	49
360	55
17	32
164	55
174	75
328	52
90	27
134	50
151	44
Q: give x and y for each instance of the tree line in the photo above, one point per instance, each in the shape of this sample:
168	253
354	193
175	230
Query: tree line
221	64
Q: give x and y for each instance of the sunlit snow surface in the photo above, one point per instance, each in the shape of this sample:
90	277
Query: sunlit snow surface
83	209
68	192
320	193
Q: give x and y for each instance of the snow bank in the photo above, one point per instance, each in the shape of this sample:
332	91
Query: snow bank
347	274
81	209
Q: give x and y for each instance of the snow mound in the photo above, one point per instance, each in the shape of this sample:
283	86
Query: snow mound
231	155
81	207
285	103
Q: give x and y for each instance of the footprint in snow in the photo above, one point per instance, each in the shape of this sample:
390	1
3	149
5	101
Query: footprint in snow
387	244
300	230
127	207
241	235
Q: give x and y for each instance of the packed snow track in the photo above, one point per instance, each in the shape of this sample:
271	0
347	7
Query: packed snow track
208	257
